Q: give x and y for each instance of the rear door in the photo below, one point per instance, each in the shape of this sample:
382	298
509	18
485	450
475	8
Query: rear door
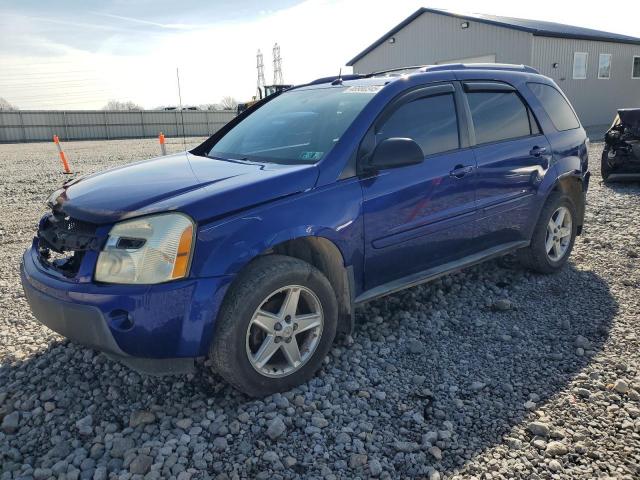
419	216
512	156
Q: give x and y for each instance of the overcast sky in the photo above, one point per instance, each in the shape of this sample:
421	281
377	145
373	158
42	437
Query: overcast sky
79	54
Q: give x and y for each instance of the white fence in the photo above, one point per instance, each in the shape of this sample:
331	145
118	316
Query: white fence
42	125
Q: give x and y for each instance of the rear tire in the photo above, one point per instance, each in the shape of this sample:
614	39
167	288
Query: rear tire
545	254
259	322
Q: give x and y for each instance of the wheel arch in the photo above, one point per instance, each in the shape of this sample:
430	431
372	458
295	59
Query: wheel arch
571	185
325	255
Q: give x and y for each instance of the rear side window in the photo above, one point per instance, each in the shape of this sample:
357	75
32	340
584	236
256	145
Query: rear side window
559	111
430	121
498	116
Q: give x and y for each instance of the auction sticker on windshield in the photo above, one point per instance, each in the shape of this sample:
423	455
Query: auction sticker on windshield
364	89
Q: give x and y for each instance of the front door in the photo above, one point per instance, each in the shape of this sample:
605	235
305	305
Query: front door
419	216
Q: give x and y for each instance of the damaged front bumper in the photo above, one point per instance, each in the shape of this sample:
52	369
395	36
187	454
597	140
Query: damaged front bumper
152	328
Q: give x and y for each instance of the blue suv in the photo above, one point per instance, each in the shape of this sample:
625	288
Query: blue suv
253	248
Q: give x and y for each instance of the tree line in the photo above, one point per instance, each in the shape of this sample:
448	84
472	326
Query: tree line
226	103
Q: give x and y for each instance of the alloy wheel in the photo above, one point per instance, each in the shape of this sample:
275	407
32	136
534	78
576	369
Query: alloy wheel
284	331
559	229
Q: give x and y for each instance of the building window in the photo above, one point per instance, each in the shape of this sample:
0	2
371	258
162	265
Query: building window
604	65
636	67
580	65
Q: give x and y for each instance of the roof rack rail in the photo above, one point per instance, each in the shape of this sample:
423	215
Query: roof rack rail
351	76
430	68
480	66
398	69
457	66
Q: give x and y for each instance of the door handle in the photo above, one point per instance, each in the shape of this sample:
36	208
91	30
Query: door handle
460	171
538	151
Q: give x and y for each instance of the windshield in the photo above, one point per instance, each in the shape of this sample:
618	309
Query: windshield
300	126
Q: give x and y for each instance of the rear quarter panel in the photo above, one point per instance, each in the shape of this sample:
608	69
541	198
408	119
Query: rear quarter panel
569	148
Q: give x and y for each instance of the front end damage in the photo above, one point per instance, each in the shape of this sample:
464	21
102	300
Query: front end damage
63	242
621	154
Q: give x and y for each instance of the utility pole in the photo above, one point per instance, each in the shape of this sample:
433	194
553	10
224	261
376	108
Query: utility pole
277	65
260	66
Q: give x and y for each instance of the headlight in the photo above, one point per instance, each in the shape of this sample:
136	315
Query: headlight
147	250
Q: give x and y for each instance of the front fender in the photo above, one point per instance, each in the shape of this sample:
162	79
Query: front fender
333	212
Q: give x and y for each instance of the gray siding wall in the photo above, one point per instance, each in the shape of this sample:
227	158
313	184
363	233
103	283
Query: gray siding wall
433	38
594	99
42	125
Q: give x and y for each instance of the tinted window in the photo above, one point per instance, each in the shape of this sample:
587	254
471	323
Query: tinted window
498	116
636	67
557	108
299	126
431	122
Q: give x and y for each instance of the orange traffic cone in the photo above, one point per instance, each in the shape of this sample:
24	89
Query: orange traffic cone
63	158
163	147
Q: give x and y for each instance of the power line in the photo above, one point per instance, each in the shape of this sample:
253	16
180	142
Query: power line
43	64
87	93
47	74
46	84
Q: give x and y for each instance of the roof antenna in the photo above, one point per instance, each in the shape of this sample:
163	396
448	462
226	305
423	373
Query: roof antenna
184	139
338	81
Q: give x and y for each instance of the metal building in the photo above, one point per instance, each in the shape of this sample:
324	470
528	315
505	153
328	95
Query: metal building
598	71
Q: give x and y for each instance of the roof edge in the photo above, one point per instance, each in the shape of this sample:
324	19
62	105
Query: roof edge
533	31
382	39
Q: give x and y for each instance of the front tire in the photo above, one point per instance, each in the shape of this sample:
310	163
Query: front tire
605	167
275	327
553	237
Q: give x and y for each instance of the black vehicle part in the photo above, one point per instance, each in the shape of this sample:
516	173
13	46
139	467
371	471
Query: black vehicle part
61	233
63	241
621	154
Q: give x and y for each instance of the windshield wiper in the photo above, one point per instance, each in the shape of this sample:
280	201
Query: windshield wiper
236	160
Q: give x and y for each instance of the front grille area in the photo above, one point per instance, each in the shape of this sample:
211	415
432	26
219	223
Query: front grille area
62	242
61	233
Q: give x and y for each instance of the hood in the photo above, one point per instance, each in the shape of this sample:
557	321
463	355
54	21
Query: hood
202	187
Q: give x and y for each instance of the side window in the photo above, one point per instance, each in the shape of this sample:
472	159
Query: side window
499	116
559	111
430	121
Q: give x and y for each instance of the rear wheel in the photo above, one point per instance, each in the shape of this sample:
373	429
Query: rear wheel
275	327
553	236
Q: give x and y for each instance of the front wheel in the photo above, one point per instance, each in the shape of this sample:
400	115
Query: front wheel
553	236
275	327
605	166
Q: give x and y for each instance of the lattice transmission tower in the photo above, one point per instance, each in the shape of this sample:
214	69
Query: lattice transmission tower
277	66
260	66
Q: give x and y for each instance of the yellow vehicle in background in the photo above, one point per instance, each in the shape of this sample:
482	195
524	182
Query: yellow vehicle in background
268	91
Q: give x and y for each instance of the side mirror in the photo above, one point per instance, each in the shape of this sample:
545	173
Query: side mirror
395	152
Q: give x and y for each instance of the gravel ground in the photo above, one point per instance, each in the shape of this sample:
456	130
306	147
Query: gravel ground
490	373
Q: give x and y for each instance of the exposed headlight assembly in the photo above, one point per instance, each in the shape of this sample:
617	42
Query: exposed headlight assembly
147	250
